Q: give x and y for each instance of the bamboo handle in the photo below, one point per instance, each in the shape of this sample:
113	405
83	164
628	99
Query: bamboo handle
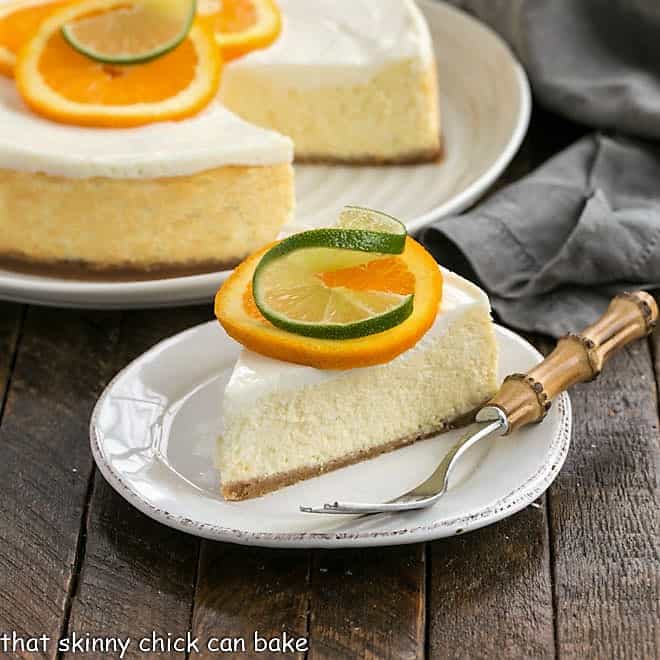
526	398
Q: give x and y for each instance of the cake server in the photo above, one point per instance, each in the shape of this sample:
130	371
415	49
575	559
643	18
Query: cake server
526	398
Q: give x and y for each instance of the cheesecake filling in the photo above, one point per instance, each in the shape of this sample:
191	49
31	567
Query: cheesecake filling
353	81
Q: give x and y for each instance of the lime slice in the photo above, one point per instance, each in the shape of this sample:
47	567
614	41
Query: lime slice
390	232
359	217
291	290
139	32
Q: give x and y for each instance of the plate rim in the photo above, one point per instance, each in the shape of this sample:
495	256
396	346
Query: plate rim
144	294
477	188
514	501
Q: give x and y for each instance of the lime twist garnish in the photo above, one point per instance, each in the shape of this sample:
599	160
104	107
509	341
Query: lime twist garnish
333	283
386	234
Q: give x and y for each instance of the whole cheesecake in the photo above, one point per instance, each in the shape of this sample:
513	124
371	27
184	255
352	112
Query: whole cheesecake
285	422
346	81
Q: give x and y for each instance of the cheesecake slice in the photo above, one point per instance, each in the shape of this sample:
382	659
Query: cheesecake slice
348	80
284	422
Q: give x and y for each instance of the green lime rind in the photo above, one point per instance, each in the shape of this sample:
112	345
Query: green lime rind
355	330
344	239
130	59
360	217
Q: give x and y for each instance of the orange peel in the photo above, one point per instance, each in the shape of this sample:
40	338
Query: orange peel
19	21
241	26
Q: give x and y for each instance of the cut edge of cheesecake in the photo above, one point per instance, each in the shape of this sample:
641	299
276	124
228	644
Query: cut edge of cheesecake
242	490
403	129
358	91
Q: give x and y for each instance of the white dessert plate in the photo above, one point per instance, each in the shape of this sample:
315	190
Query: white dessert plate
153	435
485	103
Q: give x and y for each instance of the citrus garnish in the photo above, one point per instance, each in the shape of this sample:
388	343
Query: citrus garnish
131	34
413	272
19	21
291	283
62	84
241	25
363	219
294	293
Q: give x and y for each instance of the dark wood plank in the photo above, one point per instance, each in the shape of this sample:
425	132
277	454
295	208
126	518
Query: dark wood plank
242	590
604	516
64	359
368	603
138	576
490	593
11	316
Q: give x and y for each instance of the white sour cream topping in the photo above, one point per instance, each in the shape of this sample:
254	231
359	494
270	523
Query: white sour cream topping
213	138
341	42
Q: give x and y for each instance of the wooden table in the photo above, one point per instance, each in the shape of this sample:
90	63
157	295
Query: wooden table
575	575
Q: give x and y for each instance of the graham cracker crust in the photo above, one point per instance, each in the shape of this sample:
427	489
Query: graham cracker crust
84	271
243	490
434	155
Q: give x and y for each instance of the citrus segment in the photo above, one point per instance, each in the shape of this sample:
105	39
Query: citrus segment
241	25
290	291
236	311
19	21
62	84
388	274
131	34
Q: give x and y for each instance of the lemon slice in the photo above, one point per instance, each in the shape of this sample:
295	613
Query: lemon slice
139	32
329	292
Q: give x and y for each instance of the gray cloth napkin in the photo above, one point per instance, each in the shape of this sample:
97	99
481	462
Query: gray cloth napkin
552	248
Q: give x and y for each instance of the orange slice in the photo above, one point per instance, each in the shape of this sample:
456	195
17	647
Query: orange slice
60	83
413	271
241	25
19	21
